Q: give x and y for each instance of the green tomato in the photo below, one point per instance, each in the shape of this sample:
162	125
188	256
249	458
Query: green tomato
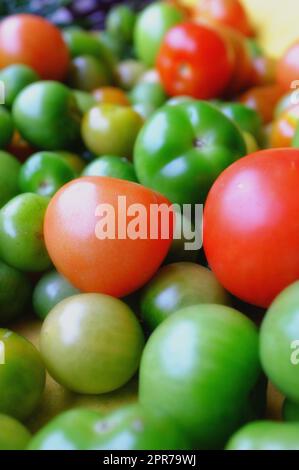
13	435
6	127
176	286
44	173
113	44
73	160
183	148
51	289
129	72
109	129
151	26
91	343
15	292
279	342
15	78
110	165
9	177
84	100
290	411
120	23
47	116
87	73
128	428
199	367
22	244
247	119
148	93
266	435
22	376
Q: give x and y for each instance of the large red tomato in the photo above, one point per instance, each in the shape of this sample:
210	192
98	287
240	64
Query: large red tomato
251	230
195	60
33	41
76	218
288	68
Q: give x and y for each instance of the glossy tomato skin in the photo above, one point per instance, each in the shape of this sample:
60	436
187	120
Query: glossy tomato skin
9	177
112	266
111	165
26	39
13	435
288	67
251	237
284	128
263	99
194	60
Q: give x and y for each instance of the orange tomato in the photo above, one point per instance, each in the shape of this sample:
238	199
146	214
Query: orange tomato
76	220
264	71
225	12
111	95
288	67
33	41
284	128
263	99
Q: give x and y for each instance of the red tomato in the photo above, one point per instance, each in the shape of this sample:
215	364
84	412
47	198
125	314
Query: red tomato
263	99
31	40
194	60
288	67
251	230
284	128
112	266
226	12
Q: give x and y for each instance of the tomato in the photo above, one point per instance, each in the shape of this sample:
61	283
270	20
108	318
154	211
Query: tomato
73	160
199	367
264	71
278	342
129	72
284	128
110	165
51	289
246	118
224	12
111	95
251	143
19	45
151	94
104	122
288	67
87	73
194	60
128	428
47	116
6	127
147	39
22	376
176	286
44	173
21	233
15	78
263	100
15	292
102	347
290	411
120	23
93	264
265	435
9	177
13	435
287	101
249	215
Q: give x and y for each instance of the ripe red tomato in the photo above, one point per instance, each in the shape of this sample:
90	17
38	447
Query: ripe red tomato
33	41
288	67
113	266
251	231
194	60
226	12
263	99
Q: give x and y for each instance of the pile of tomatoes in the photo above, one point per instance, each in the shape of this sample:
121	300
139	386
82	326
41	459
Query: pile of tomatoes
172	107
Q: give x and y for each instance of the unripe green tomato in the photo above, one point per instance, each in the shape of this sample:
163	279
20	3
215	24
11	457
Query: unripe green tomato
266	435
176	286
22	244
22	376
87	73
13	435
110	165
279	342
290	411
15	292
129	72
151	94
47	116
6	127
91	343
15	78
9	177
84	100
51	289
44	173
73	160
120	23
199	367
128	428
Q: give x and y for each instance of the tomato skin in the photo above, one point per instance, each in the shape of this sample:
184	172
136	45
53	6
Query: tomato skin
112	266
194	60
251	212
19	45
13	435
284	128
288	67
263	99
